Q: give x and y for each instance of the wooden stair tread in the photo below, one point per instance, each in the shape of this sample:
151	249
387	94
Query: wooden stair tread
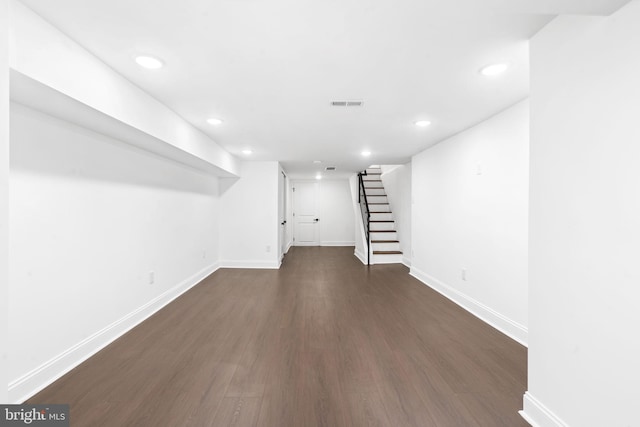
382	220
387	252
382	231
385	241
379	204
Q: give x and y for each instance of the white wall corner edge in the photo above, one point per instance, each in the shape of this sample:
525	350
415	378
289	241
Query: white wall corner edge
538	415
250	264
44	375
361	256
406	261
512	329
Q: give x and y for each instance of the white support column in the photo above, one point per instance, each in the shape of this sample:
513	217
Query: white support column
4	194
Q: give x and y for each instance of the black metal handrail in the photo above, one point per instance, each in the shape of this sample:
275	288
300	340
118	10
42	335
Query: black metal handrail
366	214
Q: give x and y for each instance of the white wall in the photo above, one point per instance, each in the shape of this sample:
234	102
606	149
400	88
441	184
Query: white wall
91	217
337	227
41	52
4	195
470	206
397	184
584	222
249	225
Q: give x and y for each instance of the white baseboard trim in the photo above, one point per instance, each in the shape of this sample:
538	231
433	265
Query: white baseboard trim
502	323
338	243
361	256
538	415
406	261
45	374
250	264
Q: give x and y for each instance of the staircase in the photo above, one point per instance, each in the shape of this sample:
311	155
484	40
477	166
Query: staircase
385	246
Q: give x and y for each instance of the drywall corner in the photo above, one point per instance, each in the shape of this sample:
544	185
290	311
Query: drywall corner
4	196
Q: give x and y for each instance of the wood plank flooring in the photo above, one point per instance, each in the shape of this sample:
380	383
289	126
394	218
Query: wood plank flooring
324	341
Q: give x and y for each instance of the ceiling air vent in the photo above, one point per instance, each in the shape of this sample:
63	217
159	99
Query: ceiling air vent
347	103
330	168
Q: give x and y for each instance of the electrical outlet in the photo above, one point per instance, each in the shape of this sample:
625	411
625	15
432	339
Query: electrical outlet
268	248
204	254
463	274
152	277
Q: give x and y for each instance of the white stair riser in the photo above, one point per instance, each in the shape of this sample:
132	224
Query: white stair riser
381	216
374	170
366	178
385	246
384	236
375	192
374	226
379	208
372	183
386	259
377	199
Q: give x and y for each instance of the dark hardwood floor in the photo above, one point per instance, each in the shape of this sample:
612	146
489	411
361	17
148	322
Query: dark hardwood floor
324	341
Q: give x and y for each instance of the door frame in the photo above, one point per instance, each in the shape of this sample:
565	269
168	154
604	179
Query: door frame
283	214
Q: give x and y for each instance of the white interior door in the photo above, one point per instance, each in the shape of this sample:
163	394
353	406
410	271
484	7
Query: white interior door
305	214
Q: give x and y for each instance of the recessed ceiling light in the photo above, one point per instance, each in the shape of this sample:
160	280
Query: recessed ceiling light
423	123
149	62
318	176
214	121
366	153
247	152
317	161
494	69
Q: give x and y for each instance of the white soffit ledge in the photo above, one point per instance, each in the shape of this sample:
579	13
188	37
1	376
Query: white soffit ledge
546	7
38	96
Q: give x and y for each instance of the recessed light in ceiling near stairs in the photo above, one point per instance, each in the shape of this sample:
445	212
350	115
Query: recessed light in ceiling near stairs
149	62
494	69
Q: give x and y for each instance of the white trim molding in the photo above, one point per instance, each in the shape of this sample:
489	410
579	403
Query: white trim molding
538	415
250	264
326	243
502	323
406	261
45	374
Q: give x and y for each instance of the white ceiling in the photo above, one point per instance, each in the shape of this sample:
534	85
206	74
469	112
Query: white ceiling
270	68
